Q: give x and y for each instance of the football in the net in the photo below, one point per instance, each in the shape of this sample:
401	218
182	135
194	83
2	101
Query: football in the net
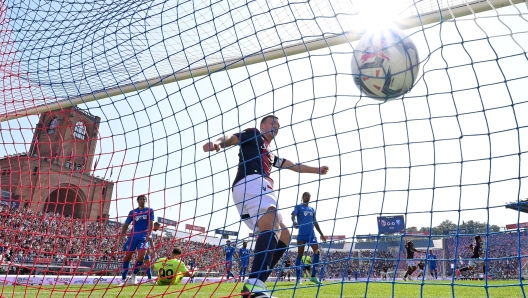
385	64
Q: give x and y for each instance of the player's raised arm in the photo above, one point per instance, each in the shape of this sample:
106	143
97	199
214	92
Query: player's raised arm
302	168
222	142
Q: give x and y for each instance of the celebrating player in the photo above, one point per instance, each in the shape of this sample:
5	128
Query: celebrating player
229	252
306	221
432	264
411	267
150	252
255	200
138	240
476	258
171	270
243	255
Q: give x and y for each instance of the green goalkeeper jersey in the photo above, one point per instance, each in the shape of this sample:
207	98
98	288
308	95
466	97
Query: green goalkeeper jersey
168	269
307	260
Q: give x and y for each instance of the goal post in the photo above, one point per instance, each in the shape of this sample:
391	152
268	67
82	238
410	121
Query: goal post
436	12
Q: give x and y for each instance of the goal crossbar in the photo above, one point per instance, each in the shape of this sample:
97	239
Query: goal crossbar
424	18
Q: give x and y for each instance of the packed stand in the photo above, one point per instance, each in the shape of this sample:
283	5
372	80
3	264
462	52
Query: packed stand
504	260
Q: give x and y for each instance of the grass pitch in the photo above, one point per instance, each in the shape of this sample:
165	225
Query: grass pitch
470	289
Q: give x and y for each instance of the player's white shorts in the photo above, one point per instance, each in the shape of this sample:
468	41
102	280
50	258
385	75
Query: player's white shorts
253	196
474	261
410	263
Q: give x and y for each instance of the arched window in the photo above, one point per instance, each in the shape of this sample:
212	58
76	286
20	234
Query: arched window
53	125
80	130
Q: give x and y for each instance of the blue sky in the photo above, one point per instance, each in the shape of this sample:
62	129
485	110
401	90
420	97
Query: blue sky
397	157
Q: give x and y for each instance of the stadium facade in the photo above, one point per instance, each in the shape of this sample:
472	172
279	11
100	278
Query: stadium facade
55	174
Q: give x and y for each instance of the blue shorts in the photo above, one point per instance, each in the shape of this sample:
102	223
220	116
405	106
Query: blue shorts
244	264
228	264
307	239
432	267
135	244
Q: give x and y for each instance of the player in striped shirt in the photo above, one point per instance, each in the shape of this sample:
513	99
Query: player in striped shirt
254	197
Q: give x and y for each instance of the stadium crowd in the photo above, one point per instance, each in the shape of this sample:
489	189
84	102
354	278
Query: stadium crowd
26	236
505	252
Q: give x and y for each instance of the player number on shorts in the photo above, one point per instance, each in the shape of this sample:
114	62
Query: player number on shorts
166	273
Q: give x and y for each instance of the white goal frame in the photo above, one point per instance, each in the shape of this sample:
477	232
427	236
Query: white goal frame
468	7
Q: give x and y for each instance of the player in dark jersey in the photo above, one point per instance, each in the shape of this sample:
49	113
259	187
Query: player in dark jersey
421	267
411	267
384	272
287	270
142	219
476	258
253	181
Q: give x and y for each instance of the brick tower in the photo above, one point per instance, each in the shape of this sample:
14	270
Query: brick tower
55	175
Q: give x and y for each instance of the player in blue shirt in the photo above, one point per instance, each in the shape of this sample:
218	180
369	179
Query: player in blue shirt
306	221
229	253
142	219
243	254
432	264
192	264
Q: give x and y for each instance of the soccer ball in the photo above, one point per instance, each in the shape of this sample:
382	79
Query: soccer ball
385	64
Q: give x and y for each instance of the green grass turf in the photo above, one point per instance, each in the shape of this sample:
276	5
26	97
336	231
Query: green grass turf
472	289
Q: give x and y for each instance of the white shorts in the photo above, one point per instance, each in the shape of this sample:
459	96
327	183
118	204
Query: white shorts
474	261
410	263
253	196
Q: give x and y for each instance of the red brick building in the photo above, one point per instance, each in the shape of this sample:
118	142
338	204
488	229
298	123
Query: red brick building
55	175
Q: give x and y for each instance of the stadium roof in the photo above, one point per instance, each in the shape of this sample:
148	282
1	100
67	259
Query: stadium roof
521	206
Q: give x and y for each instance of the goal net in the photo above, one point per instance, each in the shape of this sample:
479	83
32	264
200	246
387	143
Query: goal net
105	102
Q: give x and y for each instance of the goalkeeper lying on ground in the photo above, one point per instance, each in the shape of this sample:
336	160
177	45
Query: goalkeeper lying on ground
171	270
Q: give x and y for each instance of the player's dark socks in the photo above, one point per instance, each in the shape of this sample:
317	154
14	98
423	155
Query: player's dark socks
464	269
298	270
264	247
314	264
137	267
278	253
126	265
